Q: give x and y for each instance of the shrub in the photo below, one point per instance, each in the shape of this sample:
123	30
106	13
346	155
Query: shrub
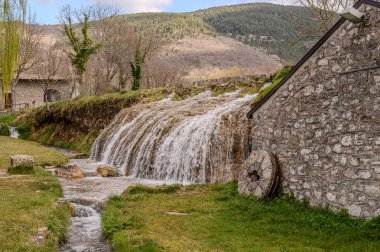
4	130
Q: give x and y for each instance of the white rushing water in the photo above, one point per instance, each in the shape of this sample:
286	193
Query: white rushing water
13	132
87	195
197	140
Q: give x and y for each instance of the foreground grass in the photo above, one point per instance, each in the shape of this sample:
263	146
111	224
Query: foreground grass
42	155
218	219
28	202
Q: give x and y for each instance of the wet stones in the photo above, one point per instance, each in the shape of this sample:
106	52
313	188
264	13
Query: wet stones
24	161
259	175
70	171
107	171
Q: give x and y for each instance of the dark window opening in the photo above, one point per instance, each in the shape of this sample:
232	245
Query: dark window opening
52	95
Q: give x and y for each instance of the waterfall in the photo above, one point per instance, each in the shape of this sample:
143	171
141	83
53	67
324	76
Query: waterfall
198	140
13	132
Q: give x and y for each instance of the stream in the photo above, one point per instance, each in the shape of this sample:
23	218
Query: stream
88	195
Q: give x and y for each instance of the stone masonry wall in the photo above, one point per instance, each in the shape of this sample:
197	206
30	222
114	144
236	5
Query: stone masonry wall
32	93
324	126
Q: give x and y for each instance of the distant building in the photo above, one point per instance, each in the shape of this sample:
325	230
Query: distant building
322	122
29	92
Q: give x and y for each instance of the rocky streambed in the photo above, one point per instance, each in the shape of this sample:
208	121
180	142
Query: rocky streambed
88	195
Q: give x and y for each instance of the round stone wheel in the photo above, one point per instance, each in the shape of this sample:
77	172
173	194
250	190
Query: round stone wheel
259	175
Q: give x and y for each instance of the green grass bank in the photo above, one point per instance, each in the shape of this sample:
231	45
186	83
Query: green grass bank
216	218
30	219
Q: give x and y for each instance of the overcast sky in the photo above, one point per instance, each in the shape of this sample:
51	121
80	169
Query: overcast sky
47	10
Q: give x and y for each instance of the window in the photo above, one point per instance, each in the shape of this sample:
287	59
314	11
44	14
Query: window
52	95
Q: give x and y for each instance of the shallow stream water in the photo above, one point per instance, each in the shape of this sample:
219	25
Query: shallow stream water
88	195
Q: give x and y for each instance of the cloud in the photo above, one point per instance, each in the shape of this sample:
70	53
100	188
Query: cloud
46	1
139	5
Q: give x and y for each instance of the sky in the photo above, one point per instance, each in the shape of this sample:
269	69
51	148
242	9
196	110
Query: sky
47	10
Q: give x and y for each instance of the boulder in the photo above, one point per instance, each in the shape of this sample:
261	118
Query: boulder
70	171
23	161
107	171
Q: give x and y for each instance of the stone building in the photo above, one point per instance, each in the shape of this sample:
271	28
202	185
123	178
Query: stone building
322	122
29	92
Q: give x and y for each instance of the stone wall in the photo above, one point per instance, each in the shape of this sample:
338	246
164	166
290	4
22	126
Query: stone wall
324	125
31	92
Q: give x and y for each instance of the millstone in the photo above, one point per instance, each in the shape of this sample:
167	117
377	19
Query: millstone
259	175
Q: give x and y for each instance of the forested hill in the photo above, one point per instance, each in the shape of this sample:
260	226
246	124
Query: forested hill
258	24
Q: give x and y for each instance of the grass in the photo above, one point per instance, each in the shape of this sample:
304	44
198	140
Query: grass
42	155
28	201
7	119
276	78
216	218
27	204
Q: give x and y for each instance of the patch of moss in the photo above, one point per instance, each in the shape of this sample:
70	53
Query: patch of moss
276	78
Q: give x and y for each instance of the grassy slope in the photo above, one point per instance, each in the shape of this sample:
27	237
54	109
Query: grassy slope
220	220
74	124
27	202
42	156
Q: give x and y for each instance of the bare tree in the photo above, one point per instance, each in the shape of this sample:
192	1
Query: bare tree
48	70
103	66
28	56
324	12
159	74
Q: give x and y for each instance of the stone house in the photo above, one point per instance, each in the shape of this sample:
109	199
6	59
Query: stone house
29	92
322	122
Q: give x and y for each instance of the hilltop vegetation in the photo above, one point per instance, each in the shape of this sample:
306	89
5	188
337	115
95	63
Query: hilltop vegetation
265	25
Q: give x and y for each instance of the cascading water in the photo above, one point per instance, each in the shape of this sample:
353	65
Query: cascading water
197	140
13	132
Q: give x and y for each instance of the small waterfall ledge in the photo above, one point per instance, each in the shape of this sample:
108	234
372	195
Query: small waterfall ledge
201	139
13	132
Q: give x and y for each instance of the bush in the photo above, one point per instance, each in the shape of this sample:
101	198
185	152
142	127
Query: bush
24	131
4	130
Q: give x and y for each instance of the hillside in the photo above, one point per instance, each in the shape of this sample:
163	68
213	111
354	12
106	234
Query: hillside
263	25
246	39
211	58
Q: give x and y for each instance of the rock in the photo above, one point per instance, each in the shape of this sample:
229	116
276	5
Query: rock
70	171
354	210
346	141
107	171
24	161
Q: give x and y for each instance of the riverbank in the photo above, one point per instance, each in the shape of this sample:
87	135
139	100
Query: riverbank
30	218
216	218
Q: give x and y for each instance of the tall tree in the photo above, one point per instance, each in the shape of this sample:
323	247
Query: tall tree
13	15
81	47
